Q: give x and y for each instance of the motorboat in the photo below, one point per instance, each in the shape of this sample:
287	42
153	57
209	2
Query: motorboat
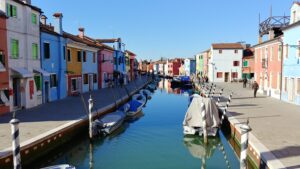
151	87
182	82
61	166
135	108
146	93
193	122
108	123
140	98
124	108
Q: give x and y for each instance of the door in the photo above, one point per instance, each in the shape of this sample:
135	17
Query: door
291	89
46	92
104	80
91	82
226	76
17	92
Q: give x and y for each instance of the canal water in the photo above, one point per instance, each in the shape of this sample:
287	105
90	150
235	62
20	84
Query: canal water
153	141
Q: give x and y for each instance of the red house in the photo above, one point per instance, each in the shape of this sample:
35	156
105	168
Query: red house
173	66
4	78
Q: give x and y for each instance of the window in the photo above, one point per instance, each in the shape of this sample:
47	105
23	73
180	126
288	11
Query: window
14	49
236	63
84	56
219	75
64	52
286	50
245	63
46	50
234	74
94	57
236	51
33	19
34	51
53	80
220	51
11	10
115	60
38	82
95	78
78	56
2	58
69	55
278	81
294	16
285	84
298	86
279	52
85	78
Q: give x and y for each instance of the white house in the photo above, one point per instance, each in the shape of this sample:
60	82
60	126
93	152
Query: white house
225	63
166	68
23	39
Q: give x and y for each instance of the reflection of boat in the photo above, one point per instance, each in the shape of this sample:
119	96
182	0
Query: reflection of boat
136	117
109	122
62	166
193	122
151	87
182	82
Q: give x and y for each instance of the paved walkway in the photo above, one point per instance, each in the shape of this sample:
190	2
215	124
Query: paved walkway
43	118
276	124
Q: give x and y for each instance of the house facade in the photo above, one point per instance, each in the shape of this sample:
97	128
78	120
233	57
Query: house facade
4	69
23	41
53	60
105	66
190	66
291	58
202	63
248	64
130	56
267	69
225	63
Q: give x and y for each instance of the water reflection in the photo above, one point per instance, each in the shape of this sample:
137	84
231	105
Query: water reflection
165	85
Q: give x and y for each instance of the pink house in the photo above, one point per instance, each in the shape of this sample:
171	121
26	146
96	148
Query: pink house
267	66
105	65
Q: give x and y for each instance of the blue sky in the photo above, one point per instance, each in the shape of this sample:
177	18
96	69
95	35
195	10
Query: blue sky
166	28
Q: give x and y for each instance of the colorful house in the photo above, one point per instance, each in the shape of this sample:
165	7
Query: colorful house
248	64
225	63
53	59
291	58
190	66
130	66
4	77
105	65
267	67
23	40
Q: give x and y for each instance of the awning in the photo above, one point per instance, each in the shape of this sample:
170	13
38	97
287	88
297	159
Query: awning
43	72
22	72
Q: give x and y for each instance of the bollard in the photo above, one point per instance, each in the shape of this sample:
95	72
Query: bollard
15	142
203	112
91	104
226	107
245	129
213	91
220	94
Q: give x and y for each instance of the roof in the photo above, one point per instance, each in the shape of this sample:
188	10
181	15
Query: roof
248	53
2	14
227	46
291	26
29	5
108	40
99	45
80	40
130	53
265	42
205	51
48	29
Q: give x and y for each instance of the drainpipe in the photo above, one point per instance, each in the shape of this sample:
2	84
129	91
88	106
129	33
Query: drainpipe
281	62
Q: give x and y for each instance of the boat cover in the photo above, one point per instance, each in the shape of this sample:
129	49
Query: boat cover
134	105
111	118
193	117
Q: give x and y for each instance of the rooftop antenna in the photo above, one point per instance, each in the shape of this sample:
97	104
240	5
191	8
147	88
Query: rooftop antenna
271	11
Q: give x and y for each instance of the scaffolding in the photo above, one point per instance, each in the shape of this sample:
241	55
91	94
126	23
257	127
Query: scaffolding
275	23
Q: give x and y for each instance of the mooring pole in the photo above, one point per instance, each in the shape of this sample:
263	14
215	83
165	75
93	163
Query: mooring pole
245	129
203	112
91	156
14	123
91	104
213	91
221	148
226	107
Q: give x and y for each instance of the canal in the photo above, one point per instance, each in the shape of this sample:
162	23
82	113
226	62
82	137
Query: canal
153	141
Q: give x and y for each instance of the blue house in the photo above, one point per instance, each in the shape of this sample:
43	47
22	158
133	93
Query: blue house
90	70
53	60
190	66
119	54
291	58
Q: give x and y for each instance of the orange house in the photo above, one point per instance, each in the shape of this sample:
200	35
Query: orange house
4	78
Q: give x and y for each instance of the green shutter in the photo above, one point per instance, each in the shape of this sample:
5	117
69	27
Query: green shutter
14	49
34	51
38	82
14	11
8	6
33	18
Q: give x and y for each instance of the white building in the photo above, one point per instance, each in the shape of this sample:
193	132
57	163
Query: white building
166	68
23	39
161	67
225	63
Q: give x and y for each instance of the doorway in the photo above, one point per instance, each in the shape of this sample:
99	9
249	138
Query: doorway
226	76
16	92
46	92
104	80
91	82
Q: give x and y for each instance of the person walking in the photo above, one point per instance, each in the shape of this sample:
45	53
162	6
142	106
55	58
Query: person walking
245	82
255	87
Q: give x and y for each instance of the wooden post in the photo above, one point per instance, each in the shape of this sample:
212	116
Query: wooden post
245	129
91	104
15	142
203	113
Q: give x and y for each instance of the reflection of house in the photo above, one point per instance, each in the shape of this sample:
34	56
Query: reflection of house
4	78
53	59
23	39
248	64
291	58
225	63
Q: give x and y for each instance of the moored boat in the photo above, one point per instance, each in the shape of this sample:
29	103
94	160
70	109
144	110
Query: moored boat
146	93
140	98
109	122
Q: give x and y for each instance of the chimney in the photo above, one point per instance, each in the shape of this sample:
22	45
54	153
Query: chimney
44	19
81	32
271	34
58	23
259	39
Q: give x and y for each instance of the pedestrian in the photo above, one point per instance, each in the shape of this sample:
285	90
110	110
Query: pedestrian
255	87
245	82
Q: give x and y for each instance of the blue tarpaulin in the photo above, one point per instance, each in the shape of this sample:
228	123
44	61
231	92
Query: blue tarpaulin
134	105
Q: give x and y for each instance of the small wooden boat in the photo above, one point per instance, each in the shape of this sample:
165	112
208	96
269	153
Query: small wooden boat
146	93
61	166
135	108
140	98
109	122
